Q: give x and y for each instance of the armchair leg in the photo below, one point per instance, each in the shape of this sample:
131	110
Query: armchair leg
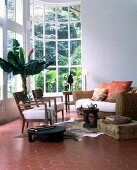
62	114
56	118
27	124
23	124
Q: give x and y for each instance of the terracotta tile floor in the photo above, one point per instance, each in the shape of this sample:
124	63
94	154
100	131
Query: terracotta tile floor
100	153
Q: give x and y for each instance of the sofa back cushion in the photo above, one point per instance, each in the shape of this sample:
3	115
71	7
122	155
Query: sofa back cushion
100	94
115	88
120	85
82	94
105	85
112	97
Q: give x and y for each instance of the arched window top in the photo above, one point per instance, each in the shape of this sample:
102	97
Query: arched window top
58	1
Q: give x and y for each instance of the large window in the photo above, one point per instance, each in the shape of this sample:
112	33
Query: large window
1	71
14	82
15	30
15	11
56	34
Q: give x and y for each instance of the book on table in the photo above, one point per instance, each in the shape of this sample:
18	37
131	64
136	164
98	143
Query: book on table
112	118
118	119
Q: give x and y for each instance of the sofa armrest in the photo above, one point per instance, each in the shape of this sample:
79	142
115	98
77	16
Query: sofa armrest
126	105
82	95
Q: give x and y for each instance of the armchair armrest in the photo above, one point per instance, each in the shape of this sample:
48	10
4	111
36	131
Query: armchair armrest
54	99
82	95
126	105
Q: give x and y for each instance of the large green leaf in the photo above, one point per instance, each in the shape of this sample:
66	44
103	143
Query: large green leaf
7	67
16	46
34	67
21	56
12	58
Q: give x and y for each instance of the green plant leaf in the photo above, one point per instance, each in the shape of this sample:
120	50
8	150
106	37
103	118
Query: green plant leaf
12	58
34	67
7	67
15	47
21	56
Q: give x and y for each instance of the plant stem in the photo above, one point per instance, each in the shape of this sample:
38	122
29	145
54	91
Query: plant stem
24	84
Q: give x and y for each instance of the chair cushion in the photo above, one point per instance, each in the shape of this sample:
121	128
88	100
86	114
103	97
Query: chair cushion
60	106
34	114
39	113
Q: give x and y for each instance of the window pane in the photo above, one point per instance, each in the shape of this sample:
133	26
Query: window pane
31	20
38	49
75	30
77	77
62	78
19	11
1	71
10	36
38	25
2	5
49	14
39	81
75	52
11	9
50	32
14	82
63	53
19	37
62	31
74	13
51	80
50	51
62	14
11	86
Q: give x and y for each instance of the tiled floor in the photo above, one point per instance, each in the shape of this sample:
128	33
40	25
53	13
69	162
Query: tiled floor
100	153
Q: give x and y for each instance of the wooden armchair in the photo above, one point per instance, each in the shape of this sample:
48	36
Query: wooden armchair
53	103
29	113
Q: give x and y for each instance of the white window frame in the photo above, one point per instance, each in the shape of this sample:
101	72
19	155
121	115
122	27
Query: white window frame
69	66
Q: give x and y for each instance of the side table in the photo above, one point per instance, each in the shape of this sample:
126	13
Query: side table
88	123
67	95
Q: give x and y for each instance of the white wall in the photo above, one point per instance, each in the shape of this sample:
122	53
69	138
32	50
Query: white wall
109	40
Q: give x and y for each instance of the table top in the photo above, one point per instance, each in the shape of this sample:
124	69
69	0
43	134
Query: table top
91	109
47	130
67	92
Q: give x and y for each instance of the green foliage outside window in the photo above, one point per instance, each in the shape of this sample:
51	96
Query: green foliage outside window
58	44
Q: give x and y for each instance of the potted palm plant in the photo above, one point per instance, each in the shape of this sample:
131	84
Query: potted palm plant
16	64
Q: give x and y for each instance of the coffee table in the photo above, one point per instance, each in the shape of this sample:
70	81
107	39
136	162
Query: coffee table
87	112
49	133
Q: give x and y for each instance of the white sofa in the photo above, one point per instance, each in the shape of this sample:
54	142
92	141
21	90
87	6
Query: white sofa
102	105
125	105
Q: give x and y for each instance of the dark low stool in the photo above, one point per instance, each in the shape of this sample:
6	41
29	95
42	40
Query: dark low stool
49	133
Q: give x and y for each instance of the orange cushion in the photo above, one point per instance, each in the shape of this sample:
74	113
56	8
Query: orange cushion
105	85
120	85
